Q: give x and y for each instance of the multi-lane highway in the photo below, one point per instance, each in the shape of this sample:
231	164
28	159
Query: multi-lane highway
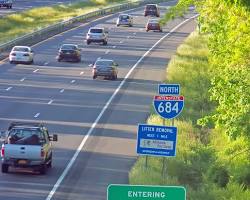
21	5
96	120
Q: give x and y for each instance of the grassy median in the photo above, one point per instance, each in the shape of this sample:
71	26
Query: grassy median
207	164
16	25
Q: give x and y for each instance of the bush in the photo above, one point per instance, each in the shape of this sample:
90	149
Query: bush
219	175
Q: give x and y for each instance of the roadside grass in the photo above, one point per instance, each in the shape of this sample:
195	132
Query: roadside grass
16	25
207	163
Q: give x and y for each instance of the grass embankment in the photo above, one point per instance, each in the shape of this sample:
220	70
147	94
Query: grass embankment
25	22
209	165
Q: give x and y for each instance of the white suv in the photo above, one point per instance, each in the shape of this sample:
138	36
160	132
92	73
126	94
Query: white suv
97	35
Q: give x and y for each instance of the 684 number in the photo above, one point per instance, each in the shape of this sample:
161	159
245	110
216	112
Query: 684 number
168	107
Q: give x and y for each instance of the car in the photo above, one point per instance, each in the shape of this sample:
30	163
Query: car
106	68
152	10
97	35
21	54
69	52
124	19
153	25
27	145
6	3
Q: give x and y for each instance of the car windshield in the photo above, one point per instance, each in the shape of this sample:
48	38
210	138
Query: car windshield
96	30
124	17
23	49
26	136
151	7
103	63
68	47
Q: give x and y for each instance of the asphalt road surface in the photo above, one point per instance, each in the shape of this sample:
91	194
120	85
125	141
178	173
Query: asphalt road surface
21	5
100	115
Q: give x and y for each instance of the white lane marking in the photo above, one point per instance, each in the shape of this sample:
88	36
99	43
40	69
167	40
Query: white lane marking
134	33
36	70
141	29
84	140
22	79
128	37
114	47
81	73
62	90
36	115
8	89
46	63
50	102
73	81
106	52
121	42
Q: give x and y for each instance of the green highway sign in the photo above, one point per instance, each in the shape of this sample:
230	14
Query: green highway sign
145	192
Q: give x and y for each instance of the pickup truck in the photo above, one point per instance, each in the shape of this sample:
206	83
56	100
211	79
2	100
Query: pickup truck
27	145
6	3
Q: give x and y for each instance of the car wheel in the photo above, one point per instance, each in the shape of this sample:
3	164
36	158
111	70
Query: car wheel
147	30
31	62
59	59
11	62
5	168
160	30
94	76
49	164
43	169
117	24
105	42
88	42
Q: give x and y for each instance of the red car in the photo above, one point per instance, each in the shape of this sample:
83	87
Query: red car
151	10
153	25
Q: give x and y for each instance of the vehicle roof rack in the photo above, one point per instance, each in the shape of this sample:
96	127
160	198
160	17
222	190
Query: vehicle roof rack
33	124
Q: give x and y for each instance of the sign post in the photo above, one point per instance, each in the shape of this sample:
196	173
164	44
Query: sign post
139	192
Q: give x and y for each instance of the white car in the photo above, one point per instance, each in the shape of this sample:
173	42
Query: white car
21	54
124	19
97	35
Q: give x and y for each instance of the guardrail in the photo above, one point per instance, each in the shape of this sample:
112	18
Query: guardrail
49	31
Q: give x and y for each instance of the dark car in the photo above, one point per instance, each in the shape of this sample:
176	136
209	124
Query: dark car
153	25
151	10
106	68
69	52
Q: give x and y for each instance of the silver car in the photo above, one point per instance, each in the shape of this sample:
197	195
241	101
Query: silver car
97	35
106	68
124	19
21	54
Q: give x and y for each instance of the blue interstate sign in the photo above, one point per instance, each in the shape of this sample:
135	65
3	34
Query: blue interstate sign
169	89
168	107
156	140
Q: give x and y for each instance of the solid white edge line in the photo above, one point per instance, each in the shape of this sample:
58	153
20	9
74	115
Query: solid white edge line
72	160
36	115
50	102
8	89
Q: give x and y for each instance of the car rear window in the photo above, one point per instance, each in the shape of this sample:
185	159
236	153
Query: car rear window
68	47
23	49
103	63
95	30
26	136
151	7
124	17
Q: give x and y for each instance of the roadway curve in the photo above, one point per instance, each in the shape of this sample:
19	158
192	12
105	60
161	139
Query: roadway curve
21	5
64	96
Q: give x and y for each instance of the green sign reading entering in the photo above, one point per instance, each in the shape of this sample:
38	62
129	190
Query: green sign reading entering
145	192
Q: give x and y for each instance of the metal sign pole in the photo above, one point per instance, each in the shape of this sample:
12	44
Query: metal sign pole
164	159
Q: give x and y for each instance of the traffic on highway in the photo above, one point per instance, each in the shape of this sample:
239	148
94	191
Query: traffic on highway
79	96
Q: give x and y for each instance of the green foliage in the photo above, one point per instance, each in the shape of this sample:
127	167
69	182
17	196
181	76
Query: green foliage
219	175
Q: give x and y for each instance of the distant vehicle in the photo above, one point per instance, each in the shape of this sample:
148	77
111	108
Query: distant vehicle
6	3
106	68
27	145
124	19
69	52
97	35
153	25
152	10
21	54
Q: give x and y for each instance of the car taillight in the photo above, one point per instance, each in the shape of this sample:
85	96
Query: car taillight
42	153
2	151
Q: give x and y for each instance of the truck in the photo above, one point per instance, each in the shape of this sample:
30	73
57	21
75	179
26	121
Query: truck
6	3
27	145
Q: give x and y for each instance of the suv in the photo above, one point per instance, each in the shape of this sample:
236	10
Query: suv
6	3
124	19
98	35
27	145
152	10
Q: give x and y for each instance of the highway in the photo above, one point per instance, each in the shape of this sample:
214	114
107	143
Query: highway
21	5
96	120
